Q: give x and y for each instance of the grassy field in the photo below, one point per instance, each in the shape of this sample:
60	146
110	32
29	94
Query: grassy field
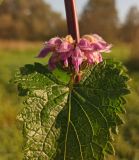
16	54
12	55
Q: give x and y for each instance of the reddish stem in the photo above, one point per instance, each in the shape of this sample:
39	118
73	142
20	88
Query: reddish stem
72	19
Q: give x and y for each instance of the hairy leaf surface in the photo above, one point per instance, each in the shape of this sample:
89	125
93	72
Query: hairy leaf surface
61	122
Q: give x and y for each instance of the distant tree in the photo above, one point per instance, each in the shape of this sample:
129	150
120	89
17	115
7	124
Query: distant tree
131	25
28	19
100	16
133	62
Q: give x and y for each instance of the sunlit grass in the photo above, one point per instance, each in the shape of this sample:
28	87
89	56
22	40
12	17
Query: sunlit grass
119	52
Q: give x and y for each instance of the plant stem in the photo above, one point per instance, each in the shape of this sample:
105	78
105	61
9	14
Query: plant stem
72	19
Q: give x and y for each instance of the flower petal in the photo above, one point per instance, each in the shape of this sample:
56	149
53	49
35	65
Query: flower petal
65	55
89	57
97	57
99	44
52	61
66	63
44	52
64	47
93	57
85	45
77	58
53	42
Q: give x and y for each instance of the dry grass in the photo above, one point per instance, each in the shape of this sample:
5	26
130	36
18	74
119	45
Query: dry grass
19	45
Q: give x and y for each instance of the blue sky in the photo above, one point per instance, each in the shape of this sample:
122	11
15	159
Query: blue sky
122	6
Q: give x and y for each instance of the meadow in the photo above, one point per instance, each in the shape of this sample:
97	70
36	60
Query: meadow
16	54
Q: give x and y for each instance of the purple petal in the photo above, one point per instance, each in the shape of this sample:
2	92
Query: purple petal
85	45
66	63
101	47
97	38
90	58
44	52
77	52
107	48
93	57
98	47
64	47
52	61
97	57
53	42
77	58
65	55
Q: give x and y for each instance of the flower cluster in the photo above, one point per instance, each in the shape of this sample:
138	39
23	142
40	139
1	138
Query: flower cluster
70	53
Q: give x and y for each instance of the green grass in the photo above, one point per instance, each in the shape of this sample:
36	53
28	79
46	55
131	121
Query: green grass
14	58
119	52
10	138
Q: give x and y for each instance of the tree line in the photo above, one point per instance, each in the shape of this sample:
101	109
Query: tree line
35	20
29	19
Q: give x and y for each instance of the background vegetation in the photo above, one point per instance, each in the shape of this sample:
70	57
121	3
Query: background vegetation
34	20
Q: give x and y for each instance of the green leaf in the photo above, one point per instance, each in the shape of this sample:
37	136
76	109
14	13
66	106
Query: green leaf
71	123
61	75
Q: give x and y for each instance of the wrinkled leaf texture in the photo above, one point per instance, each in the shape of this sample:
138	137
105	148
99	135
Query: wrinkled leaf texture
60	122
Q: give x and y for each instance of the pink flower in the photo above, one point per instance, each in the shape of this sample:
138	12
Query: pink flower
44	52
66	63
89	57
64	57
53	42
93	57
97	57
66	51
77	58
53	61
100	45
85	45
50	47
64	47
